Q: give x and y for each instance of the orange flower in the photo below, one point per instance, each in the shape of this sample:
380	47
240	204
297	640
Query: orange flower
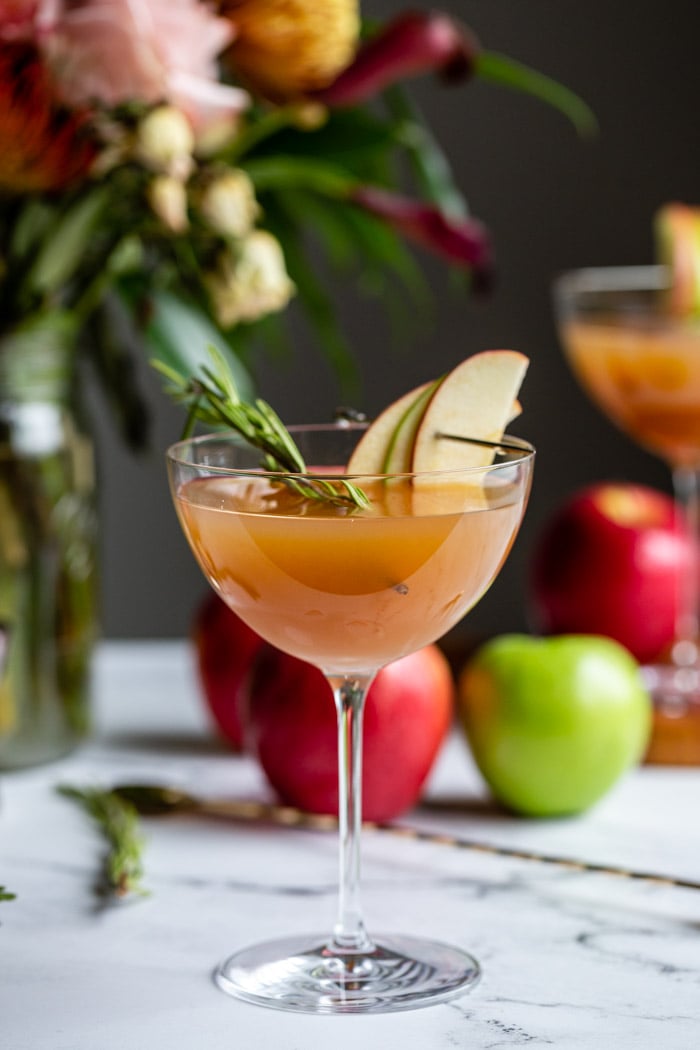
285	49
42	146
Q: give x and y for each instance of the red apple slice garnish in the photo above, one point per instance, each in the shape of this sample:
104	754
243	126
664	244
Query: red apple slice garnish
477	400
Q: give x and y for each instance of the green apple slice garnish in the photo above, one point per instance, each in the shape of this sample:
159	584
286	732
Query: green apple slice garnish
372	451
677	230
399	457
399	460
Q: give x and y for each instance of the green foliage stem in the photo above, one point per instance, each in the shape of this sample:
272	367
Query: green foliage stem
118	821
213	398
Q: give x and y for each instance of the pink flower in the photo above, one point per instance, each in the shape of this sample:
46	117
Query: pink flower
115	51
413	43
462	241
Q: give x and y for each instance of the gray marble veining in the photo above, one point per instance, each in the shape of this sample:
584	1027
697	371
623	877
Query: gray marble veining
571	960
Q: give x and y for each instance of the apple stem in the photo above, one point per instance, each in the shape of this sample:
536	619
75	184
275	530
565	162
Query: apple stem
349	692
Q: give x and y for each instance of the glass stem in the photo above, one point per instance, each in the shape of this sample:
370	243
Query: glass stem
686	487
349	692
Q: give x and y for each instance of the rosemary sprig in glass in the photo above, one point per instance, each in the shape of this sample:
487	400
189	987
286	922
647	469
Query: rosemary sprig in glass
119	823
213	399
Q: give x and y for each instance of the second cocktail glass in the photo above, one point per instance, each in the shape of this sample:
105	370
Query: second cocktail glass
640	363
348	590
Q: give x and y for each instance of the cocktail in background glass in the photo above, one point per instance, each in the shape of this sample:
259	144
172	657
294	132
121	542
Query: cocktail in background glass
348	590
640	363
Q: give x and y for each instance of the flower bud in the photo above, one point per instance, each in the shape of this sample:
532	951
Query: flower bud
228	204
165	142
168	199
250	282
462	241
309	116
413	43
219	131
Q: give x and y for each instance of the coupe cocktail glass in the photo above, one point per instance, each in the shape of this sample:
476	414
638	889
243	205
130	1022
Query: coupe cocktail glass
640	364
348	591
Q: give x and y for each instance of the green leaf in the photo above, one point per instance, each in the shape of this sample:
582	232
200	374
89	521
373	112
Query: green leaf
270	173
381	252
179	335
430	166
357	139
355	241
321	218
65	246
500	69
316	303
34	221
320	309
5	895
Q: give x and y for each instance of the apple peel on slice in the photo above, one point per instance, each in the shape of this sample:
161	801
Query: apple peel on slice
476	400
372	450
399	458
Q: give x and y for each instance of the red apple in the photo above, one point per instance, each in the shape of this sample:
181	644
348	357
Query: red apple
225	648
609	562
291	727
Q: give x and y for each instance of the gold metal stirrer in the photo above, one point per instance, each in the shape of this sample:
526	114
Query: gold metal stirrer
155	800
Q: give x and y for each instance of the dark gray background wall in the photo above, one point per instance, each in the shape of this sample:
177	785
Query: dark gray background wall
552	202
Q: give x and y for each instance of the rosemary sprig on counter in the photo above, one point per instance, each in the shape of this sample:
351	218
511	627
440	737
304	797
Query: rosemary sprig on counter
119	823
212	398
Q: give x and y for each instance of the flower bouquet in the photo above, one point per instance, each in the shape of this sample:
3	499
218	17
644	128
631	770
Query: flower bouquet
168	171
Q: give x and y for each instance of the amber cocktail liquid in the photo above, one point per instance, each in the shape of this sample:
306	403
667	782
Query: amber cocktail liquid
645	375
640	363
349	588
347	591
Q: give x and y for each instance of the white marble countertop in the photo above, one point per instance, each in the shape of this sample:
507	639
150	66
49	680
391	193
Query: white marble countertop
572	960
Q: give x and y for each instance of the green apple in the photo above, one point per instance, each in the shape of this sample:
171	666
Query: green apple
553	722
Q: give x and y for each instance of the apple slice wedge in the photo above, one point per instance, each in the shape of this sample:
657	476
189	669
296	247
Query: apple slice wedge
477	399
399	460
677	232
372	450
399	457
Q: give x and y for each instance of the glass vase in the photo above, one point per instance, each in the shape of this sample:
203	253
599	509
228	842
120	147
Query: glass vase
48	535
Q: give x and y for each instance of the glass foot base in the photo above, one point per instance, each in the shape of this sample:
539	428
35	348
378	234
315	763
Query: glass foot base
304	974
675	693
